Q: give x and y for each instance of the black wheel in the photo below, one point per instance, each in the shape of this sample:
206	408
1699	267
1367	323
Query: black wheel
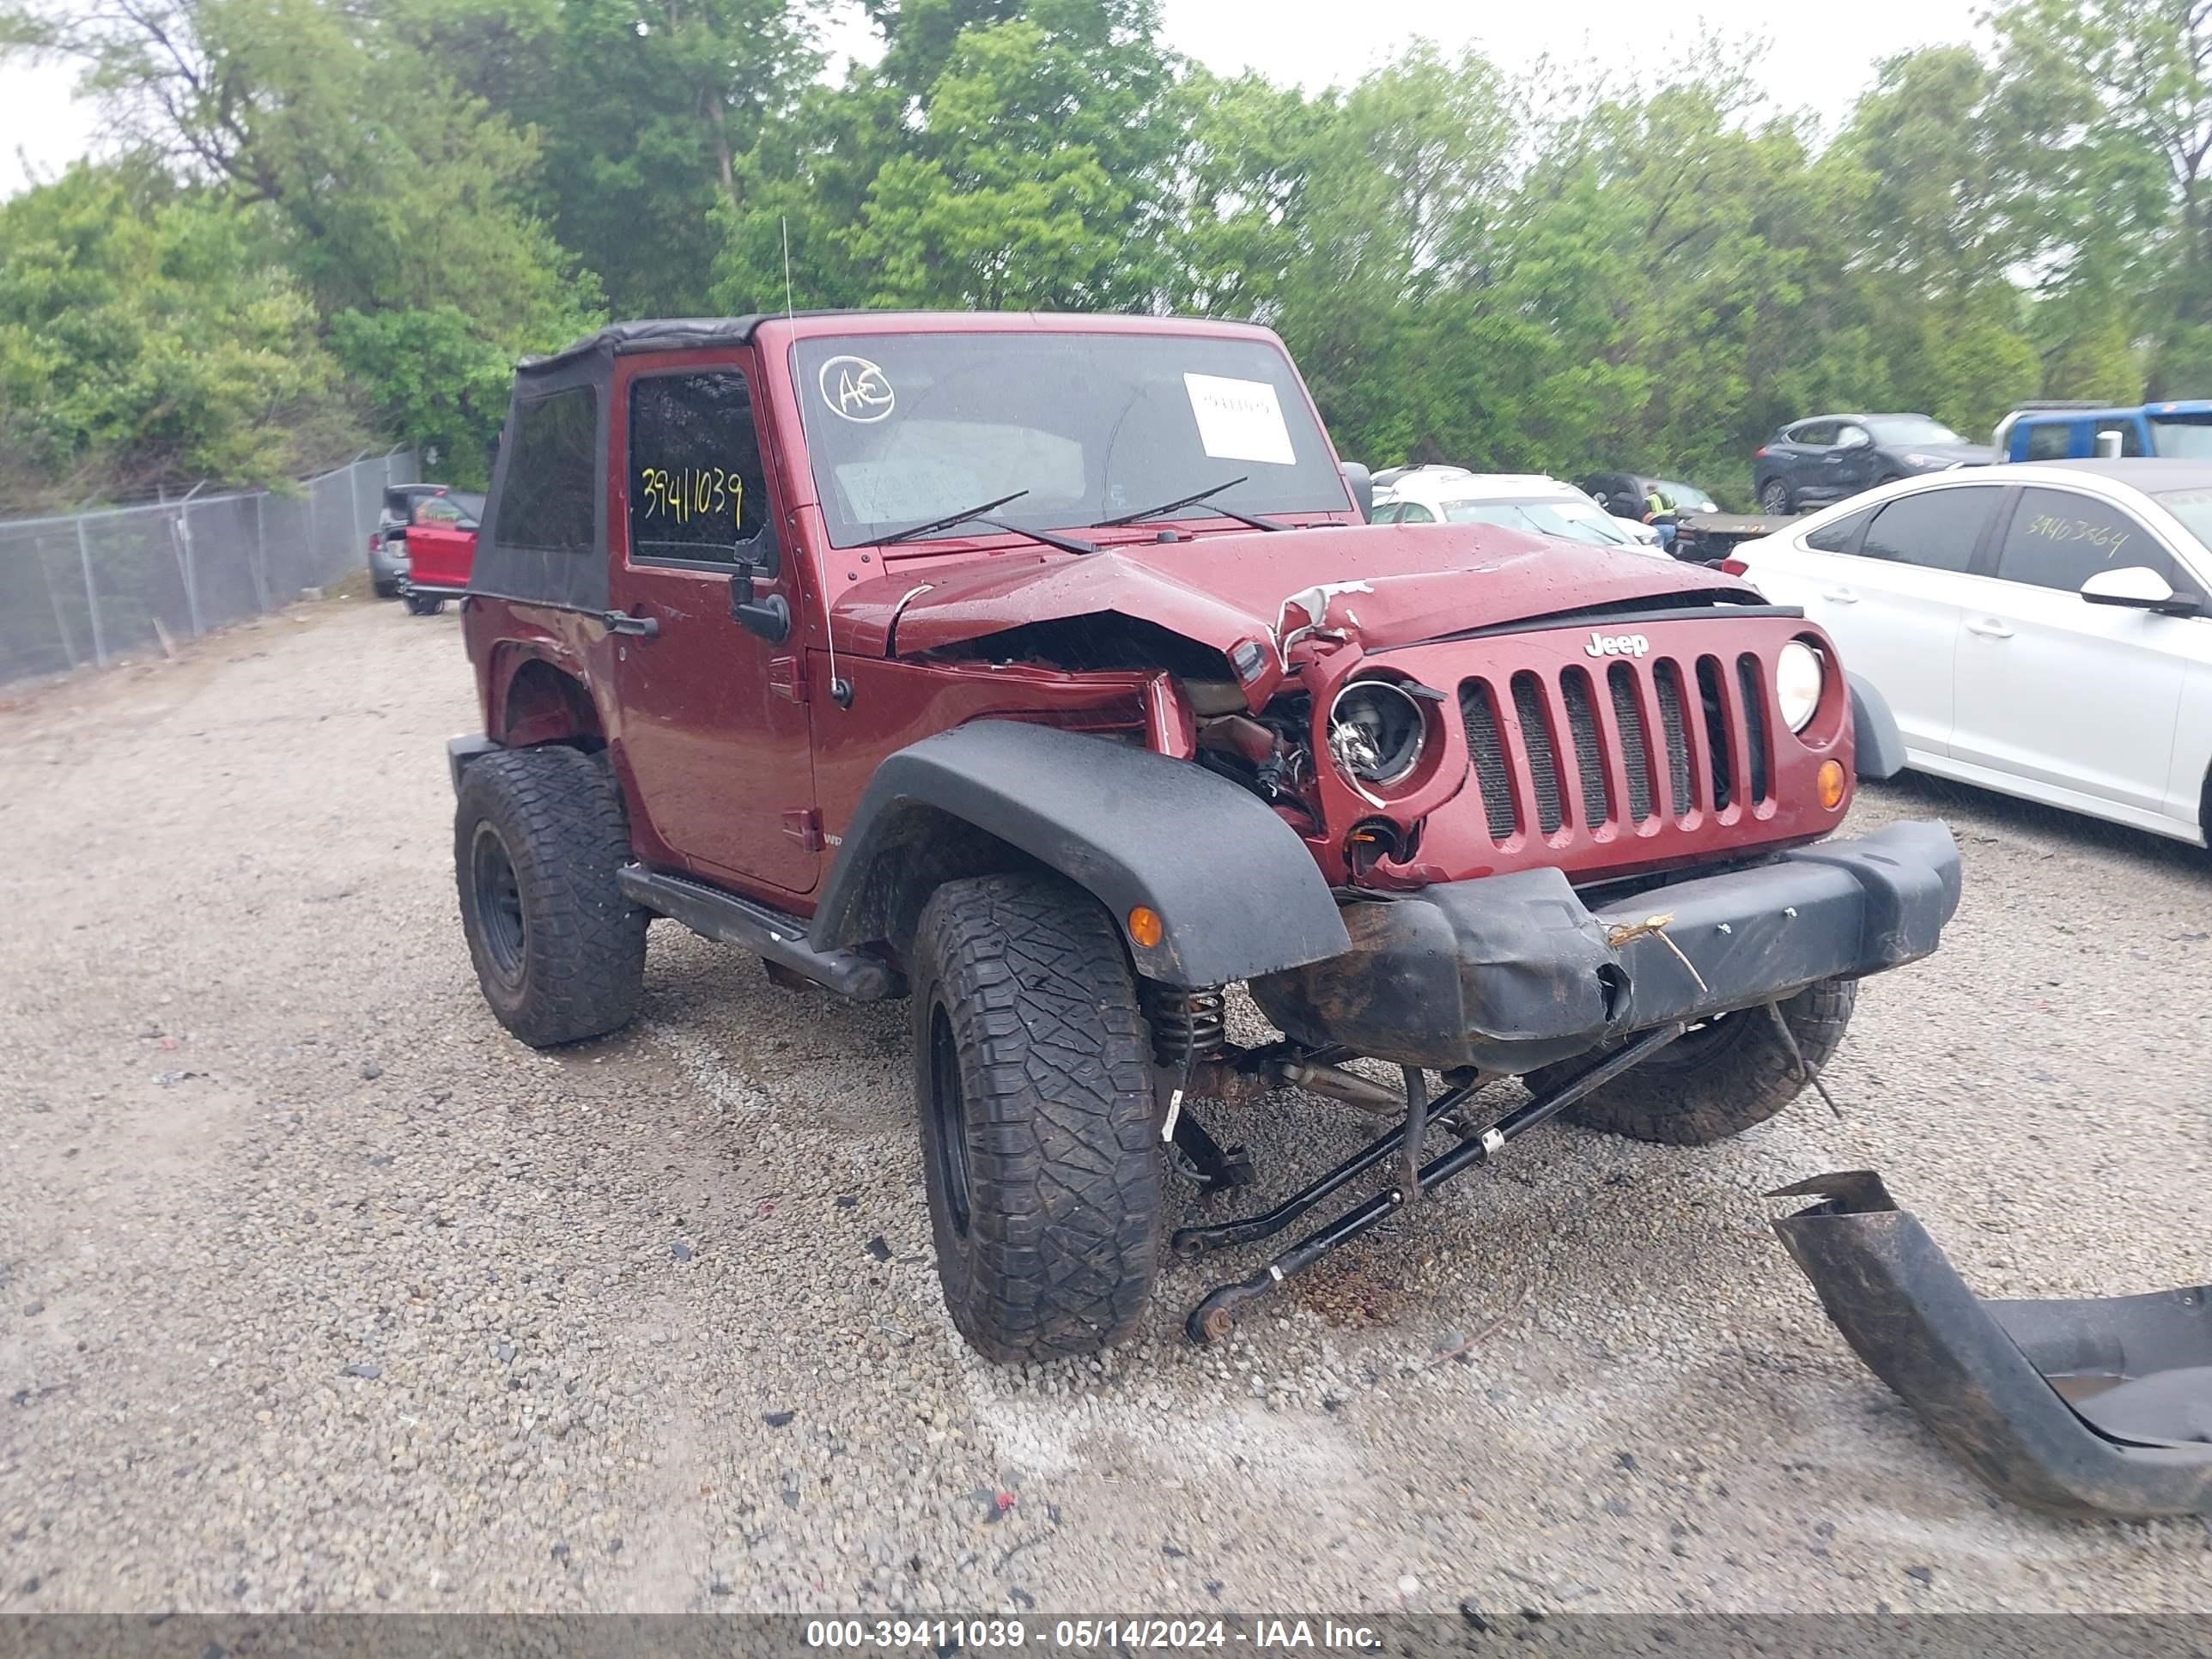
538	834
1774	497
385	590
1717	1079
421	605
1039	1144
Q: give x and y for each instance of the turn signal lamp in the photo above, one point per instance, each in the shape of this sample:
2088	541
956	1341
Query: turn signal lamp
1146	927
1829	780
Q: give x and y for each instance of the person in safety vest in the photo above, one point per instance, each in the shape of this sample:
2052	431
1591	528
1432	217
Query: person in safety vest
1659	514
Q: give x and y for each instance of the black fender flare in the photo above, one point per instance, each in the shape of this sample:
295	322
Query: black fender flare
1235	890
1877	746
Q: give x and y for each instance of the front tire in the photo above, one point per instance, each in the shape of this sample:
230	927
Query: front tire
1039	1144
538	836
1774	497
423	604
1718	1080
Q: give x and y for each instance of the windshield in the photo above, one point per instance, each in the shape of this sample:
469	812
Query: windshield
1910	429
2190	438
2193	507
1549	515
901	428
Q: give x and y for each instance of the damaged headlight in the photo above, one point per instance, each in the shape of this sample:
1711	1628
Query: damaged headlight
1376	731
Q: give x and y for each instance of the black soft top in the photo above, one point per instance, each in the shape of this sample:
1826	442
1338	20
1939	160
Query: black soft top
507	566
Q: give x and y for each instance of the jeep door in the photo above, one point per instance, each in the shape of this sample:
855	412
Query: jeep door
715	732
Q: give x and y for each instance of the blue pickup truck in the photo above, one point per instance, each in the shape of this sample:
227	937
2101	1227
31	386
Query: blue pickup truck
2058	432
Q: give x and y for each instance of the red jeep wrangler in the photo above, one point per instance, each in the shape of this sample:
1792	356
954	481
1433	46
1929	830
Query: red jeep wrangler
1041	670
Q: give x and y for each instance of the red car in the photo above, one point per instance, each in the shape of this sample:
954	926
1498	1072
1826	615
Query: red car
441	549
1041	670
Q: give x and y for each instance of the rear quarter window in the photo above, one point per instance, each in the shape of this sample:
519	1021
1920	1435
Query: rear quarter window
546	499
1839	535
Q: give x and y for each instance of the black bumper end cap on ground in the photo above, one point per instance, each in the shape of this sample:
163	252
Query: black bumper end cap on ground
459	751
1514	972
2095	1409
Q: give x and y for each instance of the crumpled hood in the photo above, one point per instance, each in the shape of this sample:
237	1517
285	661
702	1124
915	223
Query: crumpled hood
1391	584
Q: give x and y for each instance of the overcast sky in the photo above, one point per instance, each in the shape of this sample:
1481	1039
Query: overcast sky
1819	57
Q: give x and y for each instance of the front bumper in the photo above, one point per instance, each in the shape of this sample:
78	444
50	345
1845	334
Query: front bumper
1509	972
2095	1408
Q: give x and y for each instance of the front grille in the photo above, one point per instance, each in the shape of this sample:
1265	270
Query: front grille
1667	679
1754	721
1635	749
1485	750
1673	761
1543	761
1589	754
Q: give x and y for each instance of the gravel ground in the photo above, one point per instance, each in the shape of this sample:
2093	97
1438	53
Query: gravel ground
318	1290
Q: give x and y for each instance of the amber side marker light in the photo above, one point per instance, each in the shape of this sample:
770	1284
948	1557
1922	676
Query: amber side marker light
1146	927
1829	780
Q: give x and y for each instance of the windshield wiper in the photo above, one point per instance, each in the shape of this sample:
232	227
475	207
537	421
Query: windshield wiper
975	515
1252	519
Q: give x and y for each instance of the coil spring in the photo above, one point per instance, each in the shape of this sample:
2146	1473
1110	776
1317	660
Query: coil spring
1186	1026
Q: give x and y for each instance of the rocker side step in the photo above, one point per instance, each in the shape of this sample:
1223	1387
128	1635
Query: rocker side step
770	934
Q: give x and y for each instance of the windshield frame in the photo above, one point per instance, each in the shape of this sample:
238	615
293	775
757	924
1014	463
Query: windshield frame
854	334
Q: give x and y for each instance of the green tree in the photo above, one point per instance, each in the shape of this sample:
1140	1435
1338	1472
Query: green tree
151	336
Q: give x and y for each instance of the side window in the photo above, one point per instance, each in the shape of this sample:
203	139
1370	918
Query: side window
2059	539
1387	513
1415	512
1841	536
2130	435
548	499
1816	435
1936	529
2049	441
697	490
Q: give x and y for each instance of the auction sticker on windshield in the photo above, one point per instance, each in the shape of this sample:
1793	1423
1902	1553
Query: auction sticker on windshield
1239	419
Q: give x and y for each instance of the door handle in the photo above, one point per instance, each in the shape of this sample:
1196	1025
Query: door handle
1840	595
1990	629
643	628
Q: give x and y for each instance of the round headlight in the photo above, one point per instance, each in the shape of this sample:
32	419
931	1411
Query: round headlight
1799	676
1376	731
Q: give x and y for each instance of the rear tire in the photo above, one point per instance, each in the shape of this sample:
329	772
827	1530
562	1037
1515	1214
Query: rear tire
1719	1079
538	836
1774	497
1040	1147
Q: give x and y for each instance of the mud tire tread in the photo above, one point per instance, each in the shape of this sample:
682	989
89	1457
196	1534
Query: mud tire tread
1064	1164
560	815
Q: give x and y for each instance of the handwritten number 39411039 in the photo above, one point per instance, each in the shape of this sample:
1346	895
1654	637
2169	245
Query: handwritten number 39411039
691	492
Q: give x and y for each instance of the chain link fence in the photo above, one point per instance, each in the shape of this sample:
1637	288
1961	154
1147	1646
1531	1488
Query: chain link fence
89	588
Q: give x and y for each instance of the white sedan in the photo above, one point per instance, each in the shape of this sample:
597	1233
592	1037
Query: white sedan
1521	501
2044	630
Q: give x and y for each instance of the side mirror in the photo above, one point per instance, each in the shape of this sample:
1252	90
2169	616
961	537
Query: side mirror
1361	482
2138	587
770	618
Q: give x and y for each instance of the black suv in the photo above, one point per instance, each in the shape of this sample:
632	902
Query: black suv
1811	463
